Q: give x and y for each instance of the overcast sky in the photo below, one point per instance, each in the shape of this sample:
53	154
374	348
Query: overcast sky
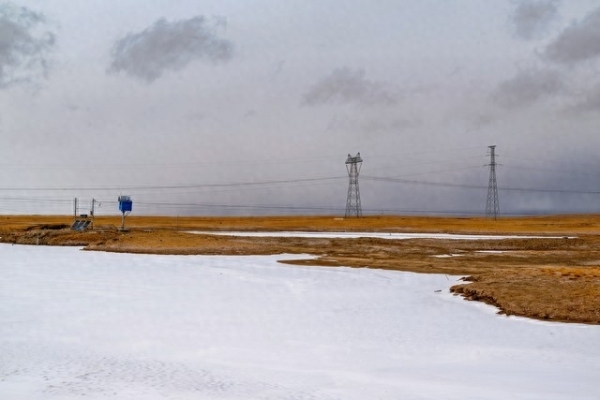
191	107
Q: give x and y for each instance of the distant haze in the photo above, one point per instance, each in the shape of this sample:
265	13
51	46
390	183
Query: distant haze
248	108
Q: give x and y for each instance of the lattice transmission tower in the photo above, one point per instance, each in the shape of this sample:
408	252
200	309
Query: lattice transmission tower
353	207
492	207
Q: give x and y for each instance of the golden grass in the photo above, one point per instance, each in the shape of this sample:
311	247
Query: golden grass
566	225
553	279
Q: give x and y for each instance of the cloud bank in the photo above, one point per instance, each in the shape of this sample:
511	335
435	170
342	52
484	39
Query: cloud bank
346	86
23	46
168	46
531	18
578	42
527	87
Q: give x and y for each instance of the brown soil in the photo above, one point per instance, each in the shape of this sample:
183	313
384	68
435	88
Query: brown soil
551	278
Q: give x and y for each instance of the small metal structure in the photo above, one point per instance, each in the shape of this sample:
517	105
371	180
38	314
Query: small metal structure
81	225
492	207
353	206
82	222
125	206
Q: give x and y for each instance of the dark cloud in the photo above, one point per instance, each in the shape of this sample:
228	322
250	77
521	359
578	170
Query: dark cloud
578	42
527	87
344	85
169	46
23	46
571	175
531	18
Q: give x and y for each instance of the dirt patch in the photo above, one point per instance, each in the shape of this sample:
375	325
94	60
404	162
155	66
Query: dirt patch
557	294
52	227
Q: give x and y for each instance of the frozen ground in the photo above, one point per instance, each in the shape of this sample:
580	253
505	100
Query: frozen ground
377	235
94	325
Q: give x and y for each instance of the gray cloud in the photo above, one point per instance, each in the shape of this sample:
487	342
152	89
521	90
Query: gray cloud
531	18
578	42
527	87
590	102
344	85
168	46
23	48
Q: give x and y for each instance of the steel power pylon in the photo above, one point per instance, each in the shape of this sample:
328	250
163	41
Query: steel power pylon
353	207
492	207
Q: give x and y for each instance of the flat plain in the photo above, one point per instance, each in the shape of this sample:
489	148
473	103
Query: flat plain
555	276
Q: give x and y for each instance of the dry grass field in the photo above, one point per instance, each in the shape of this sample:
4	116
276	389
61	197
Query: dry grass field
548	278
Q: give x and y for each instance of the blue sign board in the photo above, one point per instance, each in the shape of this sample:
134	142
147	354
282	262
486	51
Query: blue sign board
125	204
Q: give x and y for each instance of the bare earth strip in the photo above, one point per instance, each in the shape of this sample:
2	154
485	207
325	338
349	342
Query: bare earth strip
549	278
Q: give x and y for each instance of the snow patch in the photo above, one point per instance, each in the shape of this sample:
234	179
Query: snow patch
127	326
376	235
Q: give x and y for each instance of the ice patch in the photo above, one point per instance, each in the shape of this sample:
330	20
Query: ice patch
375	235
447	255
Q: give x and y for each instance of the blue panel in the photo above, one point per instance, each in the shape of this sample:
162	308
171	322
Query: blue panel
125	205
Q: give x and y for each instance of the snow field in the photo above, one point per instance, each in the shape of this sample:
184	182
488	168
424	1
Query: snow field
75	323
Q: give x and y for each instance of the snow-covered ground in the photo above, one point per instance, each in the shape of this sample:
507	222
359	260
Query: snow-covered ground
377	235
94	325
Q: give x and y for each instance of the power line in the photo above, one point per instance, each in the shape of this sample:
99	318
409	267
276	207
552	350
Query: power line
559	171
549	161
167	187
467	186
438	171
426	183
158	191
120	166
288	208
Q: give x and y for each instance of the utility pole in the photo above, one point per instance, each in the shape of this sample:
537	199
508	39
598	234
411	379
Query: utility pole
125	206
353	206
92	211
492	207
